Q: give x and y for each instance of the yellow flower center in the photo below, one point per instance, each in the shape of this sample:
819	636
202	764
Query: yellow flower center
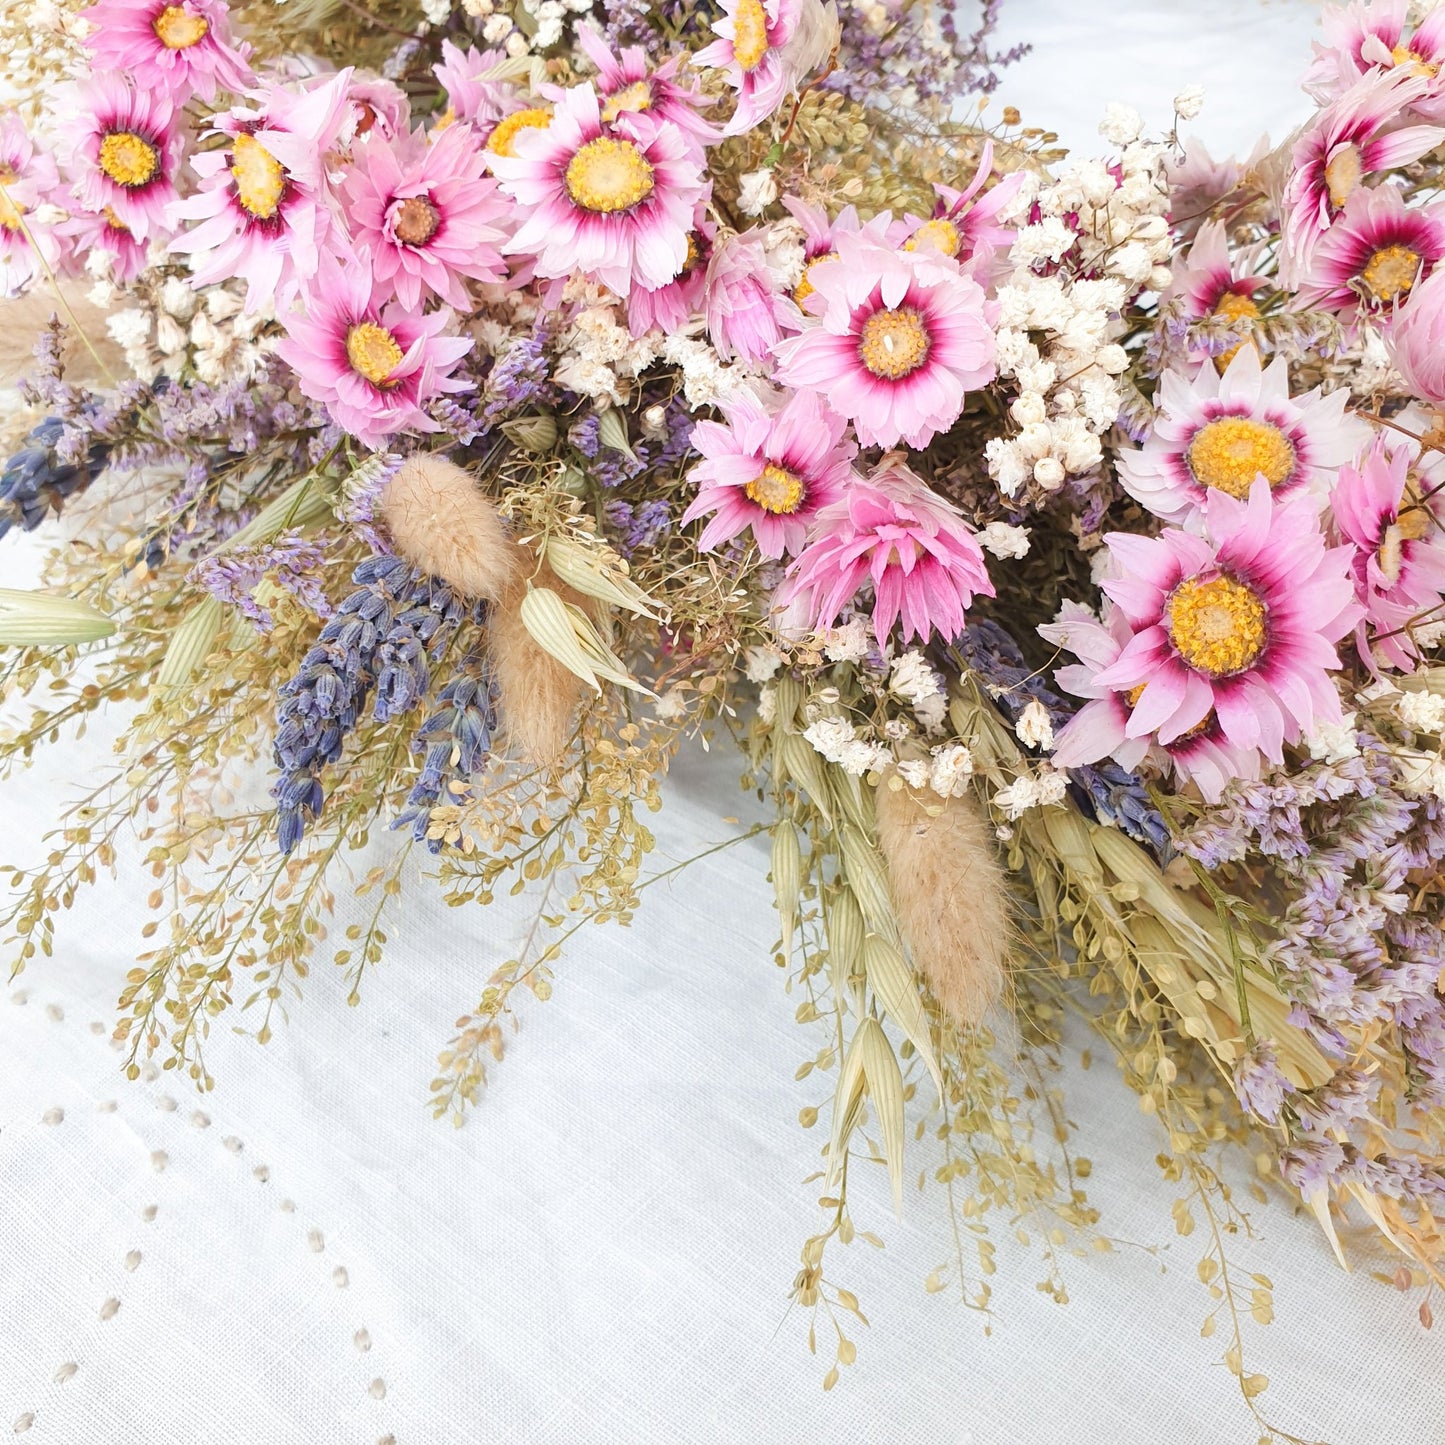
113	221
694	253
1135	693
609	175
894	343
1403	55
1390	272
372	352
805	287
177	29
634	97
1228	454
777	490
504	133
1342	174
129	159
1218	625
10	211
417	221
1237	307
1413	521
940	235
260	178
750	34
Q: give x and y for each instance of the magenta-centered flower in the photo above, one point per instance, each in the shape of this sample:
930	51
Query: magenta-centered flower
1208	281
772	467
1389	507
425	216
262	212
965	223
893	531
1216	434
1365	37
178	48
752	47
124	147
904	336
1240	622
1100	729
28	178
372	363
613	202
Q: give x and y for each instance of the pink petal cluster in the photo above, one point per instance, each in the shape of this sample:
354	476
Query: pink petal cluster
372	362
964	225
893	531
1239	623
470	96
1389	508
628	83
1416	340
746	309
669	308
177	48
29	179
752	47
1214	434
425	216
262	211
1100	729
904	336
1369	35
1208	281
771	467
613	202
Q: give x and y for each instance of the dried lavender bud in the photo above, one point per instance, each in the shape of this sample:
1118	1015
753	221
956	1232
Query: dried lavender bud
39	478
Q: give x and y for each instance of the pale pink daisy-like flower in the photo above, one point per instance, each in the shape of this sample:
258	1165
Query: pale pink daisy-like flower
1389	508
819	238
923	561
425	216
28	179
373	366
743	301
614	203
1416	340
628	83
1375	253
1356	136
1209	282
96	234
1216	434
903	338
374	107
1100	729
772	467
965	223
1360	38
262	212
669	308
1239	622
752	45
123	149
179	48
471	96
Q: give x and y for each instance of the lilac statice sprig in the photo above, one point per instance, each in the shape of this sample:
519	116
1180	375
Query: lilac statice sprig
290	562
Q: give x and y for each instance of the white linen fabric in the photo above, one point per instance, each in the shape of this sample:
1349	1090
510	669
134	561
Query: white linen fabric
603	1253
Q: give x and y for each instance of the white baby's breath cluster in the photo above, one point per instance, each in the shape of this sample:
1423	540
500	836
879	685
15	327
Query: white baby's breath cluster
1101	238
840	742
945	771
914	680
1045	788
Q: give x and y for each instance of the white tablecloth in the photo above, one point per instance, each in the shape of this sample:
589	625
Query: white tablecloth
604	1252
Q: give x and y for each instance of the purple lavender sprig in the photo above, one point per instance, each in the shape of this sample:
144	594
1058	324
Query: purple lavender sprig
455	739
39	478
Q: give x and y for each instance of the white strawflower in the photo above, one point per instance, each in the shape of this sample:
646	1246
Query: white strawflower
1333	742
1121	124
1189	102
914	772
949	770
671	706
1422	712
912	678
761	663
1005	541
1049	473
757	190
849	642
436	11
1034	729
130	328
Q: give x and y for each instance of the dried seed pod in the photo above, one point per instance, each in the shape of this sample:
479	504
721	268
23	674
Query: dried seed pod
949	894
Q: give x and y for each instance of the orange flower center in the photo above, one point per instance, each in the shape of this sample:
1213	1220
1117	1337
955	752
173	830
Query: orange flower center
130	160
1218	625
894	342
260	178
776	490
805	287
504	133
609	175
417	221
1238	308
1390	273
750	34
373	352
1228	454
178	29
1413	60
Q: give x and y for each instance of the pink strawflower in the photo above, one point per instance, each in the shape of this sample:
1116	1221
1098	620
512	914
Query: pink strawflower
1239	622
95	235
28	180
669	308
743	299
1209	282
176	48
263	208
1215	434
1360	38
470	96
752	46
924	563
373	364
1375	253
1416	340
772	467
425	216
613	202
903	338
1197	182
1356	136
123	149
627	83
965	223
1389	507
1100	729
374	107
